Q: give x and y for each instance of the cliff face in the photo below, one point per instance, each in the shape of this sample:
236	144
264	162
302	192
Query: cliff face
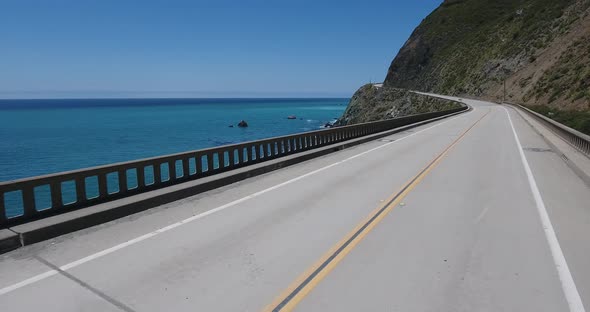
468	47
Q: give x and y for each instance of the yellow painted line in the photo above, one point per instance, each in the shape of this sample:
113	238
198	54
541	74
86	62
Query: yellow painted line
307	281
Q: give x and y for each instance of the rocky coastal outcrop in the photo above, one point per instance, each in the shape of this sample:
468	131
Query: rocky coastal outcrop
373	102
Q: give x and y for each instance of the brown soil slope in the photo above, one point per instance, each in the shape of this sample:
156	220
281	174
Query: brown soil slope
469	47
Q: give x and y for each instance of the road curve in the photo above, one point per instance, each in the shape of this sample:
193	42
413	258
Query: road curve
471	213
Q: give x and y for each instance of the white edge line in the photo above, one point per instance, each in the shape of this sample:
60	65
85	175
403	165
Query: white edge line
133	241
565	276
28	281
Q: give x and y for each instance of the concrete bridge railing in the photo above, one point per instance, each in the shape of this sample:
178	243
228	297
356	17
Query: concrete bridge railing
575	138
77	189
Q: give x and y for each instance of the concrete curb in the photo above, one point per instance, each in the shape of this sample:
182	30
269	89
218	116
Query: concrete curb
8	240
47	228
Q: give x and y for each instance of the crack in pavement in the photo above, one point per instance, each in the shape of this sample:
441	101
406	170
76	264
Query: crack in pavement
85	285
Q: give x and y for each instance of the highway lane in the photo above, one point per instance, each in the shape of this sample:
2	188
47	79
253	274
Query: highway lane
475	242
467	236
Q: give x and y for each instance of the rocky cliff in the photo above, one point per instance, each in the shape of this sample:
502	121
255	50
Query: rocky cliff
469	47
541	48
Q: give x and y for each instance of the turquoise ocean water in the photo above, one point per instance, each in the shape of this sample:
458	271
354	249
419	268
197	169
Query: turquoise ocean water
47	136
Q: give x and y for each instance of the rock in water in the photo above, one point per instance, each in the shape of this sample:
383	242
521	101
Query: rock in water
243	124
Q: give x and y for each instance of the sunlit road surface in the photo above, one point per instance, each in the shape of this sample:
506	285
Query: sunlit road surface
471	213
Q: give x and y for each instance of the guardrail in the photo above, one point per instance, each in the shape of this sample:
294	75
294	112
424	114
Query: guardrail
76	189
575	138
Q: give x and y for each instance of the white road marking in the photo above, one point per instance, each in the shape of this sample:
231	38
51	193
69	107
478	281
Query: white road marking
136	240
28	281
565	276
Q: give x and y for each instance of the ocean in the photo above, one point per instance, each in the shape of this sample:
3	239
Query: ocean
47	136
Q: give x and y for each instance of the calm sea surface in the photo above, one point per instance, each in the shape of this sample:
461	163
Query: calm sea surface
47	136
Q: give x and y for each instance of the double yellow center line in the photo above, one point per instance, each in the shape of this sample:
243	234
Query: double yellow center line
291	296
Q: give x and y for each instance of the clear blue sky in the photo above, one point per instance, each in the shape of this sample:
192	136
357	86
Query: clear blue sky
215	48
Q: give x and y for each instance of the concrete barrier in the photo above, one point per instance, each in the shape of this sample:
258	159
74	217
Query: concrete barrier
34	226
575	138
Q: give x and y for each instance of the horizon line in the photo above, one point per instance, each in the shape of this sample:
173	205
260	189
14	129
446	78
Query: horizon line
87	94
179	98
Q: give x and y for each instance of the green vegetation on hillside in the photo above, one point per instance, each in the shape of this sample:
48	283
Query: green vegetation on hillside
573	119
464	45
569	78
540	48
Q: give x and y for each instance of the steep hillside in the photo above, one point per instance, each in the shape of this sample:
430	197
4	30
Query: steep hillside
468	47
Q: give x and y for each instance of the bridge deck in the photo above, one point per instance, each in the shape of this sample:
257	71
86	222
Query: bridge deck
464	235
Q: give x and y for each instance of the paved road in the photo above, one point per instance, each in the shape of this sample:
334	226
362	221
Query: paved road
449	216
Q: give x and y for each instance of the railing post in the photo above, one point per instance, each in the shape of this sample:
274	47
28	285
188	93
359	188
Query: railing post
186	171
157	173
102	185
80	190
122	180
171	171
55	193
3	214
210	165
232	157
198	164
28	201
140	177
